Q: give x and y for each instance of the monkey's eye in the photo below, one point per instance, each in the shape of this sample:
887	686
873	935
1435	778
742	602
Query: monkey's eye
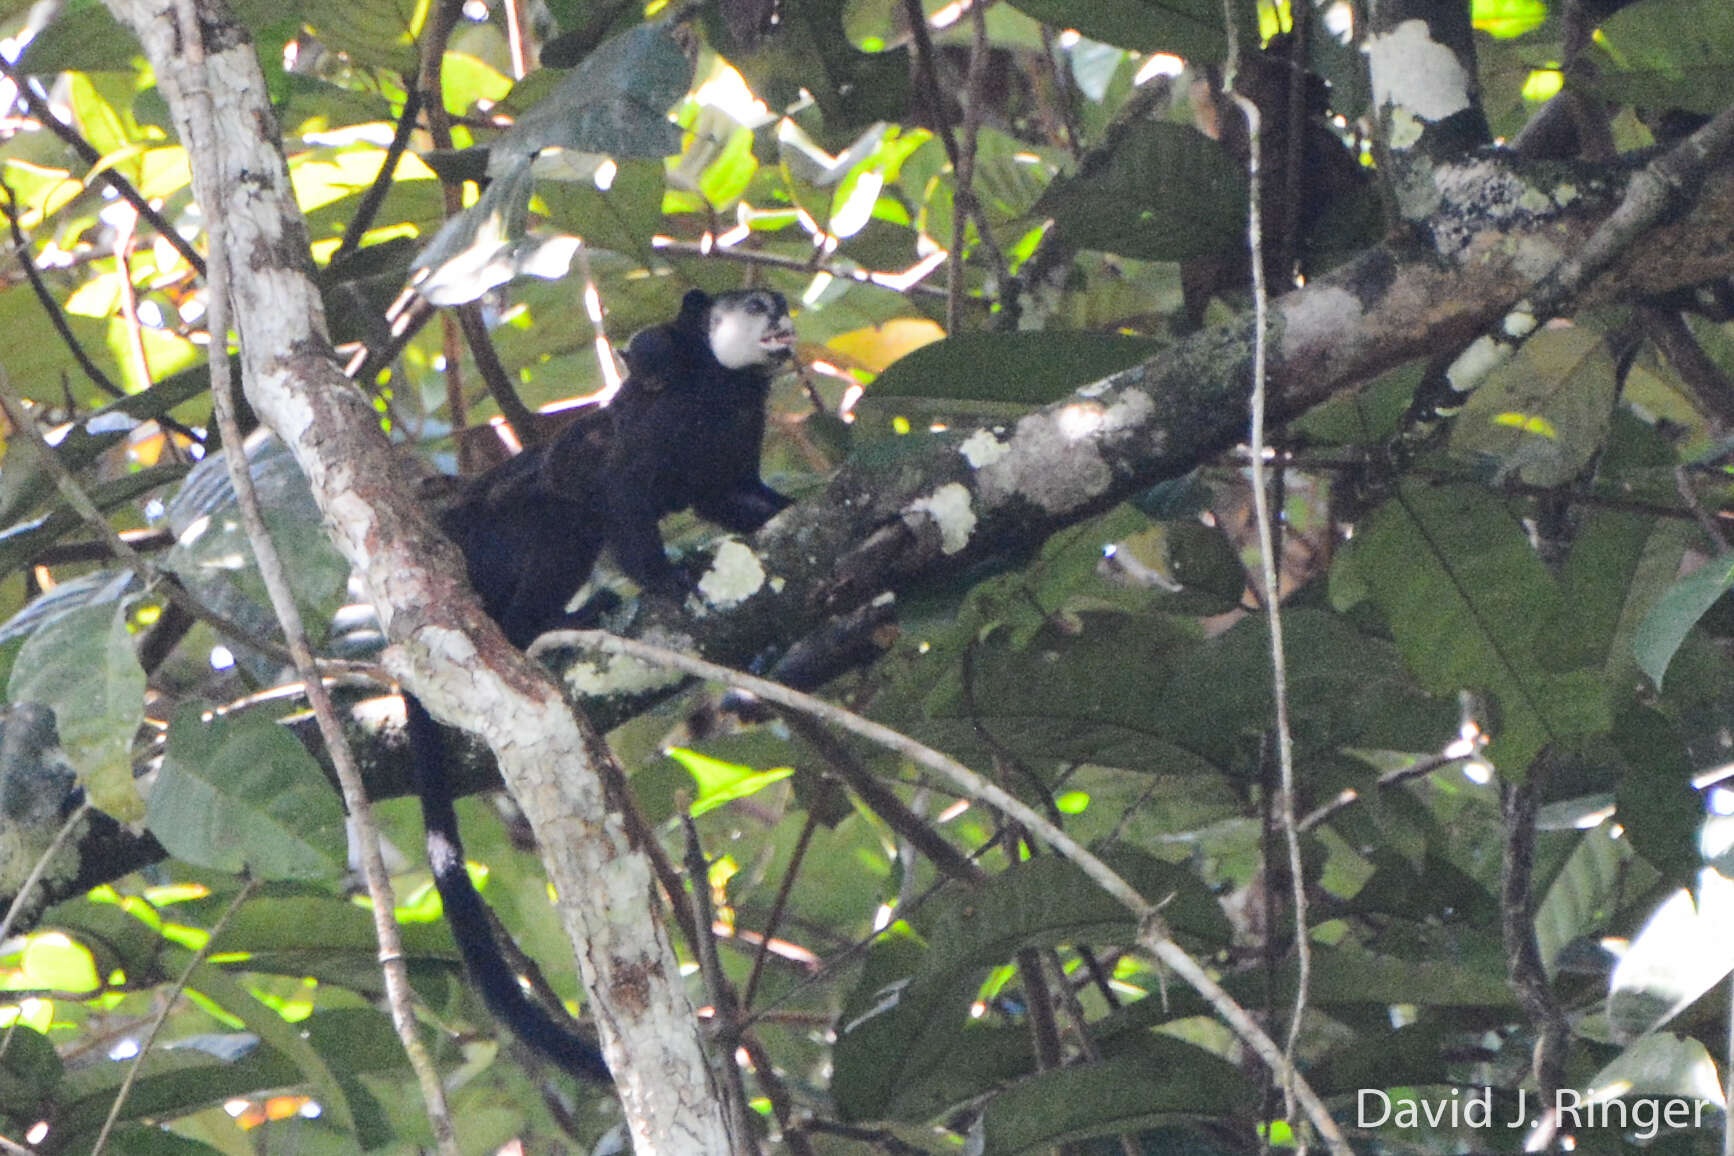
756	305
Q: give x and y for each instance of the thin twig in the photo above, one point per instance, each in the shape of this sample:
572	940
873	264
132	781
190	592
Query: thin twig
383	180
716	986
1527	972
1683	484
1153	934
396	975
775	917
1267	552
517	415
169	1000
881	279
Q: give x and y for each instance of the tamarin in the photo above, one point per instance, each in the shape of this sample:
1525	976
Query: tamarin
683	432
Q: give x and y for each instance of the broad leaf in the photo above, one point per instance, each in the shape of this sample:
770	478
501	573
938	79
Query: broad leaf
1160	1077
1190	28
1545	413
1468	600
241	795
1024	368
1166	193
81	664
1676	612
1685	949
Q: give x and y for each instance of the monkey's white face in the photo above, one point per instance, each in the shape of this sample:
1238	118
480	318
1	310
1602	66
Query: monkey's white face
751	329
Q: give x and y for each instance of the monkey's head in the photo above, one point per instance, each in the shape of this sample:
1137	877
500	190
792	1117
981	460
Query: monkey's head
750	329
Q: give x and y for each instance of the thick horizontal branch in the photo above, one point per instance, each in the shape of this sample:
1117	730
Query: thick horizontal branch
972	495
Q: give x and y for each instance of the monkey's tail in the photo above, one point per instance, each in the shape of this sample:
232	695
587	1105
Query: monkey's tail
468	915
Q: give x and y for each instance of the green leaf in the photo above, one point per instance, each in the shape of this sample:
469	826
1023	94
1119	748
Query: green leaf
55	963
213	556
276	1032
905	1025
83	37
1161	1078
1680	953
82	666
378	34
171	1082
1022	368
1467	601
615	102
240	794
1092	702
1619	567
1166	193
1660	1065
1505	19
1677	54
30	1069
1580	900
1665	627
1350	975
1189	28
1545	413
1658	806
720	782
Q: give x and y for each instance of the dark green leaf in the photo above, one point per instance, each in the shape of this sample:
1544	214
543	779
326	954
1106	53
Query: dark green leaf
1619	567
1023	368
1657	805
1544	414
1189	28
1468	600
84	38
1669	54
1160	1077
214	558
615	102
1166	193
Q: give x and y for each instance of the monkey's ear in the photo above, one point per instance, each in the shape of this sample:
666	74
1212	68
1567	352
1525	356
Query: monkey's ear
694	308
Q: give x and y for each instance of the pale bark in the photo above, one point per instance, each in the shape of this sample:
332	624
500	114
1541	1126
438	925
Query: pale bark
441	644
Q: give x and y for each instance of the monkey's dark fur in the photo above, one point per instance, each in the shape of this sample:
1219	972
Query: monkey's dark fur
684	432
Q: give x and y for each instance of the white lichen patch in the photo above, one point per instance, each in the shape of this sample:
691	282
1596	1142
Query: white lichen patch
1475	363
1055	464
981	449
453	646
1564	194
735	575
1480	186
950	509
1534	200
1405	129
612	674
1535	257
1317	318
1520	322
1411	70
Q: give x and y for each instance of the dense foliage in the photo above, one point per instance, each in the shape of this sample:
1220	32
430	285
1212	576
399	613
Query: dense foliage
1508	672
